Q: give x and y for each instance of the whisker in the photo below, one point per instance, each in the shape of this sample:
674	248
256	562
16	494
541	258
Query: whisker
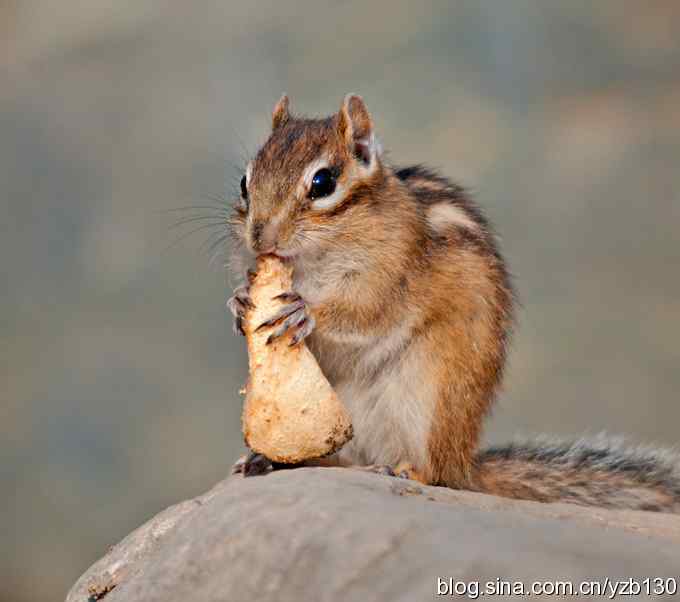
187	234
215	208
207	242
234	166
214	250
223	201
217	220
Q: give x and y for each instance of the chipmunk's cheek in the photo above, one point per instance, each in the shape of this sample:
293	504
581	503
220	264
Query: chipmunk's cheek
308	243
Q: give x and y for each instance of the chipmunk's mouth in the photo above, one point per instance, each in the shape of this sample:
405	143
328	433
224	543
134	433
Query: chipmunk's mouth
280	255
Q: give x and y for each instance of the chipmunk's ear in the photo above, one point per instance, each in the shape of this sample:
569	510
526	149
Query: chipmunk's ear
355	124
280	114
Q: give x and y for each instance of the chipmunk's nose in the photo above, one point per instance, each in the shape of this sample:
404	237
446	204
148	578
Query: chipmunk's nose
263	236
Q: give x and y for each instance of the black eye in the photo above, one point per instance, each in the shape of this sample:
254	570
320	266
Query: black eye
244	190
323	184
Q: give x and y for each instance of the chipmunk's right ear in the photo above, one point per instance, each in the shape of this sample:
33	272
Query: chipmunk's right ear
280	114
356	125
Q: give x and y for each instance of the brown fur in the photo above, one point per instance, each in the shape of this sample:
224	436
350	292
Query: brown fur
406	250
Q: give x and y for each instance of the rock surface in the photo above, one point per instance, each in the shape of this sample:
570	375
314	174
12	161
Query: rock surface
337	534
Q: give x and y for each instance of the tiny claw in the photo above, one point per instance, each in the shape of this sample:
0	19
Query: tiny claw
305	328
282	314
288	296
238	326
240	301
294	320
405	470
258	465
297	338
252	464
384	469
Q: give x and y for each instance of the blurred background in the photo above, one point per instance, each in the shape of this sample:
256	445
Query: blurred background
118	390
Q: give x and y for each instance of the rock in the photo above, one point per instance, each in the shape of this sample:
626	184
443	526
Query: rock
339	534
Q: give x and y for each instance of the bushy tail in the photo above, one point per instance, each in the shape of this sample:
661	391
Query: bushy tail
590	472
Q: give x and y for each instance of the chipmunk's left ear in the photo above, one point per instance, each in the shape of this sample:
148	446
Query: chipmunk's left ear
356	125
281	112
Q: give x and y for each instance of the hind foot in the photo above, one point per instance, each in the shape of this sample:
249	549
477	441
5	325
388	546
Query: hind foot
403	470
252	464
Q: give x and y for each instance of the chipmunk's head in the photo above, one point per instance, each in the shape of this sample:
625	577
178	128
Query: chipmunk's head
309	181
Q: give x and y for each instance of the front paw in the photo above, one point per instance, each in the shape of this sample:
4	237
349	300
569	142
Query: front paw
294	317
238	304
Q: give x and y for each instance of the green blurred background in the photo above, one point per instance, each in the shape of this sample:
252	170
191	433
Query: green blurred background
118	393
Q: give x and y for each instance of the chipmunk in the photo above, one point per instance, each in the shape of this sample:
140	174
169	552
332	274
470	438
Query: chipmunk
401	293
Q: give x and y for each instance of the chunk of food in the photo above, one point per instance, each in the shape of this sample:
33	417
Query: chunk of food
291	412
